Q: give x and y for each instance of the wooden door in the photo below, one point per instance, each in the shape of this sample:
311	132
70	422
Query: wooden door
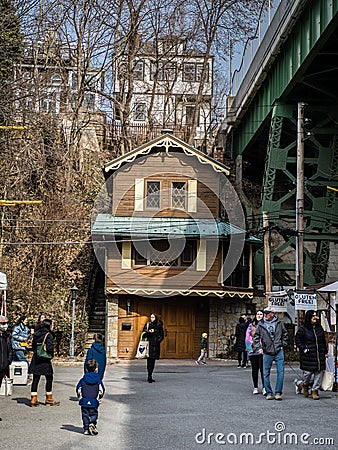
179	324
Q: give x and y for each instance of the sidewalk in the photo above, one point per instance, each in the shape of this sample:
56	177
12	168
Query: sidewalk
174	413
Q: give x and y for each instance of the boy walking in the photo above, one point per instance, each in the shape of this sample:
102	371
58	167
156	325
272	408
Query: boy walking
204	345
90	388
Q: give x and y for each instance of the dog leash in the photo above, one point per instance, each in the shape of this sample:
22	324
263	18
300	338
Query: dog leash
298	373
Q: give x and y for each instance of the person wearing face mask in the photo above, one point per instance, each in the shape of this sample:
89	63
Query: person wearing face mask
6	352
154	332
310	339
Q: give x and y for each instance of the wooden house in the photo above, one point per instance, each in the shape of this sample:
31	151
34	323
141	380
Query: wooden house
169	243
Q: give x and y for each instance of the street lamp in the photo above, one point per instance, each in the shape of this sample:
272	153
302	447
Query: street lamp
74	290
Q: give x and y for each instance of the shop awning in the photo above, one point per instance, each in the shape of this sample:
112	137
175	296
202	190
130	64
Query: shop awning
333	287
164	227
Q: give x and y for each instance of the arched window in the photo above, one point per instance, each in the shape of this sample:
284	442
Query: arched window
56	80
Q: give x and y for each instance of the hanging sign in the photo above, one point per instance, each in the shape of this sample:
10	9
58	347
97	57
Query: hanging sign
304	301
278	301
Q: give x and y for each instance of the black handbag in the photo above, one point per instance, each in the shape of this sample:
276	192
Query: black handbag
41	349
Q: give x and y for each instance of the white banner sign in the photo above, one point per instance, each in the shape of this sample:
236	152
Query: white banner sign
278	304
304	302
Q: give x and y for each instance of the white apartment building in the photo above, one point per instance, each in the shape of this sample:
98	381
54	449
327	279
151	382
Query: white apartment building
165	82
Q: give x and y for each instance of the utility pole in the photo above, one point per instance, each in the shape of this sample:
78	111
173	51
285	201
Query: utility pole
300	198
267	256
300	205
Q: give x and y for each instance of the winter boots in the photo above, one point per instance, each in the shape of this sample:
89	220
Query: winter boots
50	400
315	395
34	399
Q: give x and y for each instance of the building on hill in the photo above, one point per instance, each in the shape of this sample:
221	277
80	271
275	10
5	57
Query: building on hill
165	84
48	83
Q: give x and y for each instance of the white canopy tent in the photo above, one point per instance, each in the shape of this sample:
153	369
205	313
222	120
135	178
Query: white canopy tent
3	289
332	290
333	287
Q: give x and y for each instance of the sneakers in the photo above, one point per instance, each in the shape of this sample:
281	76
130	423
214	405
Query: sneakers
197	362
255	391
244	367
264	391
270	397
93	429
239	366
86	432
278	396
204	363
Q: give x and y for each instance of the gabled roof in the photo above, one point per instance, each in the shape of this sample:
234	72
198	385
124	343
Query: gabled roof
166	141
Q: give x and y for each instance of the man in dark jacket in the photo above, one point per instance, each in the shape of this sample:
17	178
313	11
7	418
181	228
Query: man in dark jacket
240	348
310	339
269	339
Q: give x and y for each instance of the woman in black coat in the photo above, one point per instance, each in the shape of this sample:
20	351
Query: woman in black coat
310	339
42	366
240	346
154	333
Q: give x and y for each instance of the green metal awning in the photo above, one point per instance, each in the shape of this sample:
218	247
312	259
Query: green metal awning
164	227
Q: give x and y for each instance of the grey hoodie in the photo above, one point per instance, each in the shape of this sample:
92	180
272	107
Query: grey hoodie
270	336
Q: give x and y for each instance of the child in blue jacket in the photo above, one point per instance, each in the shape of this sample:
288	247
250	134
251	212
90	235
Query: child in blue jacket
90	388
98	353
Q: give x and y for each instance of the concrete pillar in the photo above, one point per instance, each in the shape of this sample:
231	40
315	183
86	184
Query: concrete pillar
111	326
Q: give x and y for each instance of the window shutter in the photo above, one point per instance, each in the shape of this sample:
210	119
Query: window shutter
201	260
139	194
192	195
126	255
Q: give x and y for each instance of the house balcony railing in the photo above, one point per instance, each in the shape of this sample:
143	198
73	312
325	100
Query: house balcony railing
141	133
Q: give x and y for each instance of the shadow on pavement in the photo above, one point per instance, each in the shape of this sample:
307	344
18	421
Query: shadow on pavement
23	401
72	428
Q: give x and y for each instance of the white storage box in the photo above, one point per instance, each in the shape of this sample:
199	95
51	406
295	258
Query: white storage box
18	371
6	386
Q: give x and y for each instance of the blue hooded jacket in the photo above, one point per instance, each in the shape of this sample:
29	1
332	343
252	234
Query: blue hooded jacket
98	353
89	388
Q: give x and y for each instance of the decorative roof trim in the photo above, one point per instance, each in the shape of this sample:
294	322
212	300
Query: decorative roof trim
166	141
170	292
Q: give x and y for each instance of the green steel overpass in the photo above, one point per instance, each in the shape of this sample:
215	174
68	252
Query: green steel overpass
297	61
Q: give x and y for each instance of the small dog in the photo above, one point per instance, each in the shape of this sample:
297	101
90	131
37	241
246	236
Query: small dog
299	386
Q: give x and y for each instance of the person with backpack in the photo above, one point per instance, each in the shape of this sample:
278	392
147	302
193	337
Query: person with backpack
204	345
90	389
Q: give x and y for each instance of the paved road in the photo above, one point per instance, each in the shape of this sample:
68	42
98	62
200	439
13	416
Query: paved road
188	407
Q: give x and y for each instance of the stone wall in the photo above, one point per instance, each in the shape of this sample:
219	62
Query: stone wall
332	270
223	318
111	326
